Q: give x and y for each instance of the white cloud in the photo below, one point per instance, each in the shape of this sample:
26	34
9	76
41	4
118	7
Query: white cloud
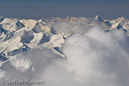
93	58
98	57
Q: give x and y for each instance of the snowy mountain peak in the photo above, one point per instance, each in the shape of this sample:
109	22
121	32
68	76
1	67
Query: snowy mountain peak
11	24
100	19
121	19
18	36
30	23
1	18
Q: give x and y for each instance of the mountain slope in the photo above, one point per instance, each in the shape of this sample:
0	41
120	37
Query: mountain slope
18	36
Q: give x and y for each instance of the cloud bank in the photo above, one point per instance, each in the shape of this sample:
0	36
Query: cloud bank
93	58
99	58
77	26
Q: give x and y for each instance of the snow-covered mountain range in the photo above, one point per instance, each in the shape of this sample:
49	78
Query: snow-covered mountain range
17	36
64	52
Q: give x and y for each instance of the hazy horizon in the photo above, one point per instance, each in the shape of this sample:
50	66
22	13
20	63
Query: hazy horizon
38	9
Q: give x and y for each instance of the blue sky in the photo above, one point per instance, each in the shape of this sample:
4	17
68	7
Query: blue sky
64	1
37	9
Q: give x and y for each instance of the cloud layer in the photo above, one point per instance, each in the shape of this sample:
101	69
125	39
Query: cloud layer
99	58
93	58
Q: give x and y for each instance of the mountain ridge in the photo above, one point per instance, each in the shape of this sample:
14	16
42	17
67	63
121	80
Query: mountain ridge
20	35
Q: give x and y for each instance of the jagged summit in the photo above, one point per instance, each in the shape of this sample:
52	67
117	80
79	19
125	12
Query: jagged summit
30	23
11	24
100	19
121	18
1	18
18	36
